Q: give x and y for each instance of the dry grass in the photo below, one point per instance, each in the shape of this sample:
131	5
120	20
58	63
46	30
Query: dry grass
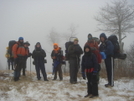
120	70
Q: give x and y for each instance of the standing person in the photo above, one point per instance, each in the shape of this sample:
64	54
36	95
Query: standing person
38	55
57	56
107	48
89	65
74	52
10	59
26	46
19	53
93	44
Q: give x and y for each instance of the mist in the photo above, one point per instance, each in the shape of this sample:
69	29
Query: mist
34	19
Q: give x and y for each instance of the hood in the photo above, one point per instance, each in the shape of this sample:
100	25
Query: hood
103	35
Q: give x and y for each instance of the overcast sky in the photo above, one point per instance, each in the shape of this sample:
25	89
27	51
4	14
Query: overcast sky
34	19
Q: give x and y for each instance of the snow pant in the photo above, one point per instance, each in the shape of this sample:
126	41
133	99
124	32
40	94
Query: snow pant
10	61
109	62
92	84
24	68
39	66
20	63
74	66
59	70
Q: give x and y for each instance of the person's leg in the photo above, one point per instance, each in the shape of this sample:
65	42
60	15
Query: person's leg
43	70
109	70
60	72
75	70
37	70
94	85
71	63
8	62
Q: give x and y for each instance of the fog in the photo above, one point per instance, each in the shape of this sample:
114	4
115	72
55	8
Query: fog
34	19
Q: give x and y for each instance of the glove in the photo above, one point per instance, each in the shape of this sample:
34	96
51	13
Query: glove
83	75
103	55
94	72
30	54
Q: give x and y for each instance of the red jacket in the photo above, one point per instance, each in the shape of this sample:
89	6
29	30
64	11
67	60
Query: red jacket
94	44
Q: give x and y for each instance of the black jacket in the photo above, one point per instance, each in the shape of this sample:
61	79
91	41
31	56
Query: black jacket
74	51
38	54
89	61
58	56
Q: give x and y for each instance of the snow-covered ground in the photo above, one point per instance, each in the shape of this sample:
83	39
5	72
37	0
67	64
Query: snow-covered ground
30	89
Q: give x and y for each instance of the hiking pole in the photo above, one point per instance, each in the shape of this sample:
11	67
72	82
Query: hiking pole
30	66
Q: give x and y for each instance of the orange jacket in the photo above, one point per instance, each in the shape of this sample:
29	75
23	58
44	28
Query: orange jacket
18	50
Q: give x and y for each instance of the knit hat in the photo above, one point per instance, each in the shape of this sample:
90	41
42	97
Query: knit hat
76	39
27	43
55	44
21	38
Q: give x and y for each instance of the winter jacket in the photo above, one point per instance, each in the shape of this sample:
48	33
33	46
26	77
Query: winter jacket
57	55
95	49
19	50
106	46
38	54
89	63
74	51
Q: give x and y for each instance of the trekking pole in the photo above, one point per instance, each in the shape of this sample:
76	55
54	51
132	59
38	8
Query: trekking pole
30	66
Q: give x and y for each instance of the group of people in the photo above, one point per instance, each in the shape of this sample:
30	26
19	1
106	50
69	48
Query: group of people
90	62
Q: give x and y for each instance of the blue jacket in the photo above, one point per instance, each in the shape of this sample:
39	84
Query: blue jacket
106	46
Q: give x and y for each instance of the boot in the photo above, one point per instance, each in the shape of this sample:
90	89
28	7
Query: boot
16	78
87	95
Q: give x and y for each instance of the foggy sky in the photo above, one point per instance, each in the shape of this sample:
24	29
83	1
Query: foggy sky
34	19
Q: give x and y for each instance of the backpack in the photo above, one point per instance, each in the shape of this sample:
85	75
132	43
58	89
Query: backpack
117	53
67	44
10	45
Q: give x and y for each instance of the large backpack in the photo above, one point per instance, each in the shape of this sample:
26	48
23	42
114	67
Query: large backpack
10	45
67	44
117	53
114	40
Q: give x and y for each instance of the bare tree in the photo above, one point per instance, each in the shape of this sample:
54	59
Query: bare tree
72	32
53	37
116	18
130	55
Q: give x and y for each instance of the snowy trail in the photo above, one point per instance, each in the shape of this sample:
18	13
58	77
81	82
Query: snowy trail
30	89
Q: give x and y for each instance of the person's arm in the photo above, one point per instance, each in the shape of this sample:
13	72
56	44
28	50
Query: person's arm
14	50
109	48
43	53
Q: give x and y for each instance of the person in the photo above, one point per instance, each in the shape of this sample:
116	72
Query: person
74	52
26	46
107	48
57	56
90	67
38	55
10	59
19	53
93	44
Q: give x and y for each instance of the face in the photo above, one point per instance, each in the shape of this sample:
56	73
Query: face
21	40
102	39
75	42
38	45
55	46
25	45
87	50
